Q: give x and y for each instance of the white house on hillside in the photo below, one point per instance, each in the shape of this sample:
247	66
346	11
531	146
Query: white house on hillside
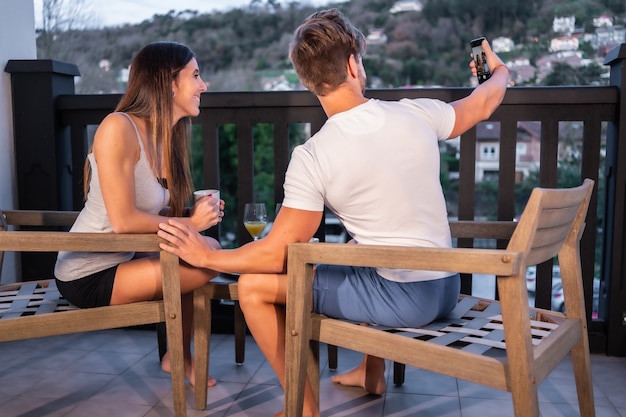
609	37
563	24
376	37
406	6
488	150
502	44
564	43
603	21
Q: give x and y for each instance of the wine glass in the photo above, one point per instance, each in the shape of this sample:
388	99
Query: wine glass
255	219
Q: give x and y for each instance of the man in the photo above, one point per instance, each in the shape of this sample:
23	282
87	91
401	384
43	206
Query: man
375	164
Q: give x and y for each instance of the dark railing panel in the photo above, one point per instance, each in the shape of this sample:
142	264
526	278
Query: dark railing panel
614	249
506	177
281	157
550	106
210	148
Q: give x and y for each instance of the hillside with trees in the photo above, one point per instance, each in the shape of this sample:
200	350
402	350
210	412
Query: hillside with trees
240	48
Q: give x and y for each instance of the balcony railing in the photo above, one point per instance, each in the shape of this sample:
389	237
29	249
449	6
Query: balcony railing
50	152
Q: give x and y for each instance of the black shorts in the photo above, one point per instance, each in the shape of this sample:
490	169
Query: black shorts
94	290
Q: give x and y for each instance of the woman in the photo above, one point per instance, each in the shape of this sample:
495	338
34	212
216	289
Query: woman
136	172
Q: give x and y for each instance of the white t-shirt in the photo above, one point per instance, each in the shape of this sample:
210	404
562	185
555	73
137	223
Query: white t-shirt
377	168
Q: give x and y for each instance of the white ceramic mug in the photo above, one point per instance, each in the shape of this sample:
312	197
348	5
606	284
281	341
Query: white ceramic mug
198	194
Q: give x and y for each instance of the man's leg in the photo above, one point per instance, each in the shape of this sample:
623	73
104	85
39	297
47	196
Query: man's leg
369	375
332	286
262	298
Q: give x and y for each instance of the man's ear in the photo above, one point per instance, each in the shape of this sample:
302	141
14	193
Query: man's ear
353	66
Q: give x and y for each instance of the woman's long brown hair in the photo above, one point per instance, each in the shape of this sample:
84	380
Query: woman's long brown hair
149	96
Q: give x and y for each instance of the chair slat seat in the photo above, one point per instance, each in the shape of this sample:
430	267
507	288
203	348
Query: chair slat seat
476	330
40	297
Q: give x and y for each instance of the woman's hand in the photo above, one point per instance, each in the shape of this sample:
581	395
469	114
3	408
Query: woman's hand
207	212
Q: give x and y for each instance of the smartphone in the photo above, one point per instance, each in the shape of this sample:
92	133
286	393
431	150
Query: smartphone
483	73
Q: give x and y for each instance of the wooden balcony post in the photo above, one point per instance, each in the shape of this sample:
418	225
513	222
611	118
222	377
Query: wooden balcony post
42	146
39	150
614	249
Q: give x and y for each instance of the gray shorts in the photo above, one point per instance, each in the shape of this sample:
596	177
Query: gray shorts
361	295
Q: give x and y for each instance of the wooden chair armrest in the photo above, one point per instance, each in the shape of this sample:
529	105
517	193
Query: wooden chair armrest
33	241
39	217
464	260
303	256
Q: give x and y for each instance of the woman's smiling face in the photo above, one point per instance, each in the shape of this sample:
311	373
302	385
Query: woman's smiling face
187	89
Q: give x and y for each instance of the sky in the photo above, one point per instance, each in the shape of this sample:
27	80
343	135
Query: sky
120	12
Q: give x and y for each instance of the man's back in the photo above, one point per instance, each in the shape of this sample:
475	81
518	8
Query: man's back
377	168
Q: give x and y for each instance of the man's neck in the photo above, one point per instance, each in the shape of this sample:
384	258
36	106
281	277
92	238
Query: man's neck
342	99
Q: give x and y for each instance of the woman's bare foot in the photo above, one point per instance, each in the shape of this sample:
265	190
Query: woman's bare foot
369	375
190	374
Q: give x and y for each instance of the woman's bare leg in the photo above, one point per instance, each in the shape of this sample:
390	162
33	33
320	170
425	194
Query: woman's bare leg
262	299
190	374
140	280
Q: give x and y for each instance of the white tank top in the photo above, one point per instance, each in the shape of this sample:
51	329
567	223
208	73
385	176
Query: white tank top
150	196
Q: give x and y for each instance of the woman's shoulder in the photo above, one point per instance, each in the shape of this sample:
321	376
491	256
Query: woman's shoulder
117	130
119	123
118	119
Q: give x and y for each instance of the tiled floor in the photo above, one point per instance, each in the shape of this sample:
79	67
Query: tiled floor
116	373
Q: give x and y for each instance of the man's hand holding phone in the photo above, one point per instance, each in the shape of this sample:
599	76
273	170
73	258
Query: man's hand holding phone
485	61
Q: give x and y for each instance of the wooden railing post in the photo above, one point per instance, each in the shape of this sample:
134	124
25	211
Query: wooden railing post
41	144
614	250
39	135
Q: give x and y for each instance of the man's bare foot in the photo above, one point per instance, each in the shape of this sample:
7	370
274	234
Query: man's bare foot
369	375
190	374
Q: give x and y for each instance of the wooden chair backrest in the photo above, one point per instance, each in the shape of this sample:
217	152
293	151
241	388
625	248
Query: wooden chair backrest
552	217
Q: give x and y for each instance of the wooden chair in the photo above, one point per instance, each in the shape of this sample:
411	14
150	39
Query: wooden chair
223	287
35	309
552	224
